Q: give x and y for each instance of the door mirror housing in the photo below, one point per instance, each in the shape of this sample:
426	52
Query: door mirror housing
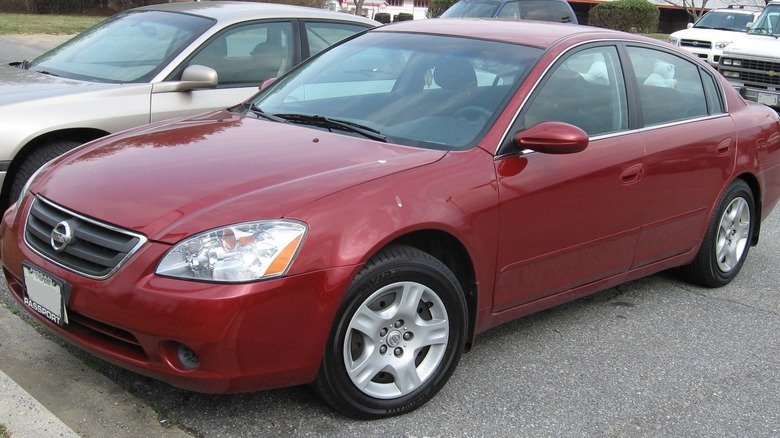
552	138
193	77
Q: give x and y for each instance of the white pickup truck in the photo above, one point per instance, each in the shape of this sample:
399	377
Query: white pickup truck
752	63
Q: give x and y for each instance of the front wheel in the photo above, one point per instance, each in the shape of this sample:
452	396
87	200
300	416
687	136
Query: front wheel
40	156
397	338
728	239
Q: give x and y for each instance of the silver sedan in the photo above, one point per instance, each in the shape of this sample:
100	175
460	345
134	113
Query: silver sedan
149	64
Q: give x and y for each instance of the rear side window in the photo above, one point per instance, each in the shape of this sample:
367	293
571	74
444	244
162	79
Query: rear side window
548	10
322	35
670	87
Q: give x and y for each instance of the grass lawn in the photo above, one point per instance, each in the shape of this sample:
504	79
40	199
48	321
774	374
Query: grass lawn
49	24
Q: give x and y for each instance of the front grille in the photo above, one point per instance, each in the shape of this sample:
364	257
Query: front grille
759	78
96	250
698	44
753	64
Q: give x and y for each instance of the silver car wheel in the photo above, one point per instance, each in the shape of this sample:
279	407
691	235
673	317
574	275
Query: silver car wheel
733	234
396	339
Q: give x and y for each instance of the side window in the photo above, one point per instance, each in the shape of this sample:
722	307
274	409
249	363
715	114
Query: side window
248	54
323	35
670	87
586	90
714	96
510	10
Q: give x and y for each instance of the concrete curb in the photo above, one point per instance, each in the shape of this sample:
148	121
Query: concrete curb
23	416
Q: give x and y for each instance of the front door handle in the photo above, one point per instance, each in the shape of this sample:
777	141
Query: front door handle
632	174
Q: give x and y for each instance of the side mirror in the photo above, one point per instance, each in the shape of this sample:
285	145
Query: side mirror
267	83
552	138
193	77
690	25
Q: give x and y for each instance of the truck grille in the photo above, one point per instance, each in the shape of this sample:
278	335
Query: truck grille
95	249
754	72
699	44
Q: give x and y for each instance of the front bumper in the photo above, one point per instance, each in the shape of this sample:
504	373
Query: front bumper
247	337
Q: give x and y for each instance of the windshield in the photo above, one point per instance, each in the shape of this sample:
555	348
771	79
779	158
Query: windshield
129	47
420	90
724	20
471	9
768	23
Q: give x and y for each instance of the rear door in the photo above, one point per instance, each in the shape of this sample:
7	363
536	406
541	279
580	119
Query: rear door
691	149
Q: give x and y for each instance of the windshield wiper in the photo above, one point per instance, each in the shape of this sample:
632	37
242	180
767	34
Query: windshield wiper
328	123
762	31
260	113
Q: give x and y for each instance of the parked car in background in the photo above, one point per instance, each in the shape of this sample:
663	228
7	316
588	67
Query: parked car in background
358	222
714	31
752	64
148	64
543	10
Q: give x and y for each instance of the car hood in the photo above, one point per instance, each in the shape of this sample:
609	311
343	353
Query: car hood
755	45
708	34
176	178
18	85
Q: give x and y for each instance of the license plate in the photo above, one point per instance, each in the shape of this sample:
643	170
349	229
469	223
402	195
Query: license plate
767	99
46	294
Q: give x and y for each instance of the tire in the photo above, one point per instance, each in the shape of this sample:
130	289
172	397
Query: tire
397	338
35	161
728	239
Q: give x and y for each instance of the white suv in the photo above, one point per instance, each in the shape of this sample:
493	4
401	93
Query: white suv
714	31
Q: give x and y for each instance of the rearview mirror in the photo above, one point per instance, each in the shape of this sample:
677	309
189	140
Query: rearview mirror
552	138
193	77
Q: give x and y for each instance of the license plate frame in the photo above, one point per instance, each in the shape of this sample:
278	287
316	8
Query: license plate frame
768	99
46	294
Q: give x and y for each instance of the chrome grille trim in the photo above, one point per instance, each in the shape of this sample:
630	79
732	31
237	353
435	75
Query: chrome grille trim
98	251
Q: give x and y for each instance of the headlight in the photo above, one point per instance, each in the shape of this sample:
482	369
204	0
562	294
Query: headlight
674	40
721	44
243	252
730	74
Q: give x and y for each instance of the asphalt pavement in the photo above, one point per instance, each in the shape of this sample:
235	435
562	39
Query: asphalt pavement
654	357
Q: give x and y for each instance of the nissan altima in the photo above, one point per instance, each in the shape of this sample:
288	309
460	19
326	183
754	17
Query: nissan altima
358	222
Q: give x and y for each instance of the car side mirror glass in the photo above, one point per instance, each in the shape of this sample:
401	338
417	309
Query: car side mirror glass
193	77
552	138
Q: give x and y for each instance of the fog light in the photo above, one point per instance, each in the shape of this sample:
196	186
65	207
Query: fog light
187	357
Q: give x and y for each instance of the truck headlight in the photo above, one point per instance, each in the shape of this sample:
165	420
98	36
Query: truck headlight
674	40
237	253
730	74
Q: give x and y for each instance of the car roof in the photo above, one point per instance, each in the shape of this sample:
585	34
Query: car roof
737	10
235	11
541	34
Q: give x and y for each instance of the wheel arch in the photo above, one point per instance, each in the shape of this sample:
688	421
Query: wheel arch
82	135
449	250
755	188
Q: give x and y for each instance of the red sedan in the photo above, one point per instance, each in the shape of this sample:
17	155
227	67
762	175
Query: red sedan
360	220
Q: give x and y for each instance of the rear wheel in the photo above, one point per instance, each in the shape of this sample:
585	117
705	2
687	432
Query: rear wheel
397	338
728	238
34	161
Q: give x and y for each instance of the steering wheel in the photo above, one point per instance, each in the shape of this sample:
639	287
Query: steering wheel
473	113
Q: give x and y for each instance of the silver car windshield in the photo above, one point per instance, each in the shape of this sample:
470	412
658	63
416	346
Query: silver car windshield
130	47
420	90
